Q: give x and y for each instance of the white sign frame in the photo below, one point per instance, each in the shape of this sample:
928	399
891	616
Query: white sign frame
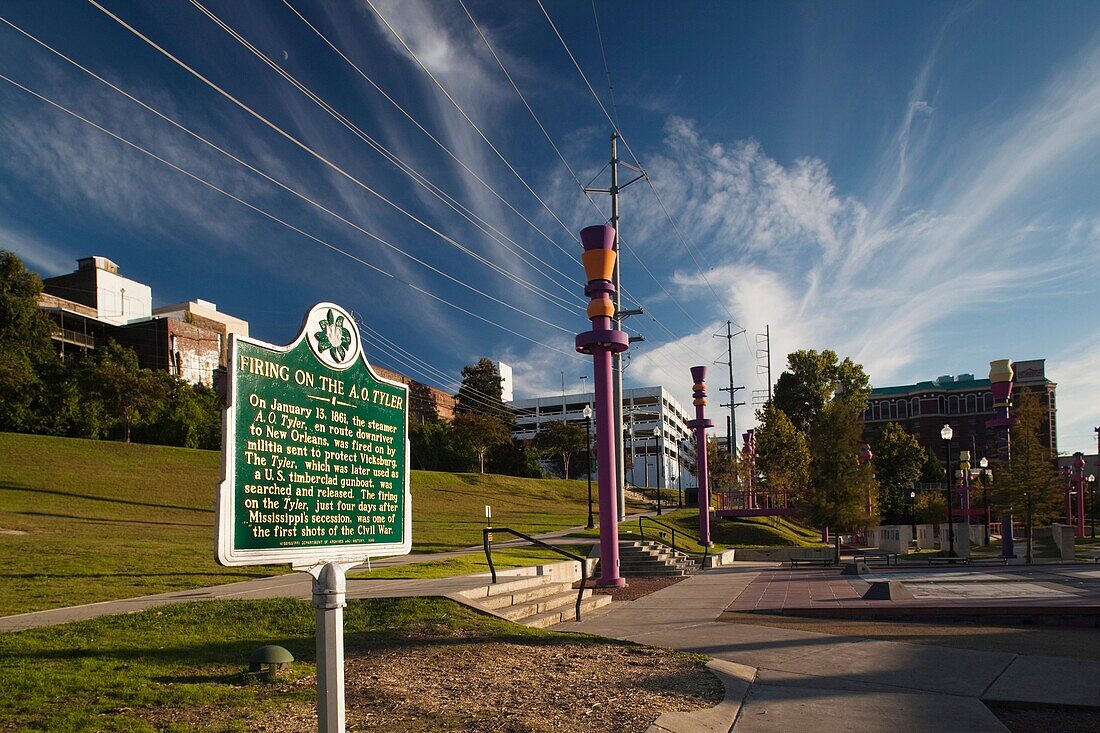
300	558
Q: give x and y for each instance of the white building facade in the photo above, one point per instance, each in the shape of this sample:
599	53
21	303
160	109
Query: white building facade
658	443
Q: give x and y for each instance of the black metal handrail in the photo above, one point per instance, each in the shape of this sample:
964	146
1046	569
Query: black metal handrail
487	544
641	531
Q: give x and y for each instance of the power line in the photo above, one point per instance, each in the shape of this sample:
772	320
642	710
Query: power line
468	119
273	217
438	143
575	177
405	168
331	165
645	173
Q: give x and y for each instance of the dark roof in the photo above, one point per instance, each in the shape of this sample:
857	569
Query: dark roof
964	386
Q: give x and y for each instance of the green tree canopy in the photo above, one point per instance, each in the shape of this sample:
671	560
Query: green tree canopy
840	486
562	441
813	379
782	455
1031	468
130	395
480	433
932	470
898	462
481	392
25	348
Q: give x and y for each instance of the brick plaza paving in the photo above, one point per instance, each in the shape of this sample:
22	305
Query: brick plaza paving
1047	588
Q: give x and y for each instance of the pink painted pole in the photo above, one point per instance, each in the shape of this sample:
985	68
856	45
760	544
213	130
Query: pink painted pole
601	342
701	423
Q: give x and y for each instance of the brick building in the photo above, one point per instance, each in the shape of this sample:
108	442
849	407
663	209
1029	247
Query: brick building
963	402
96	303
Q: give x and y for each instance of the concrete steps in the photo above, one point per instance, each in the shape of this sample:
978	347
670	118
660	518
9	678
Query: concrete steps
535	600
650	558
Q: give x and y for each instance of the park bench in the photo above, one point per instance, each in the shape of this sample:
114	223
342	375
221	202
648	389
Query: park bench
943	560
824	562
990	561
876	555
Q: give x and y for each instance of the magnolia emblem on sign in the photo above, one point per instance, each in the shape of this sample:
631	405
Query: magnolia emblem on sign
337	342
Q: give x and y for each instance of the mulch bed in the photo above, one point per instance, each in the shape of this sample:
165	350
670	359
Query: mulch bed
638	587
447	682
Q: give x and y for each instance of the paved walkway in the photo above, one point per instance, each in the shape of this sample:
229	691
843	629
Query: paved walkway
778	679
813	681
969	591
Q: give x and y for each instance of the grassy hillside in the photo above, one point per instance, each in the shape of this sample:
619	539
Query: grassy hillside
724	533
84	520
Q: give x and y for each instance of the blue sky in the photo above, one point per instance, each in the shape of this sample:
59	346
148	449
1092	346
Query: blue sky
913	185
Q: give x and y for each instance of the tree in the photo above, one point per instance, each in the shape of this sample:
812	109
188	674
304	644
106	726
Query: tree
812	380
782	455
479	433
481	392
932	471
561	440
26	349
130	395
840	486
1031	468
898	461
930	507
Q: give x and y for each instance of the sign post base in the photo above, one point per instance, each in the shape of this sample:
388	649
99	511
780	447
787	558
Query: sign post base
329	587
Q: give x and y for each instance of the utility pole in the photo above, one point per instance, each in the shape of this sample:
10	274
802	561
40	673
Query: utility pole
763	353
617	319
733	404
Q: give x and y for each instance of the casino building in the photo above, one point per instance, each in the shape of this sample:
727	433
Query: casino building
962	401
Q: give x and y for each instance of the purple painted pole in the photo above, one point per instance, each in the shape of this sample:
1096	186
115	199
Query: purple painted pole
701	423
601	342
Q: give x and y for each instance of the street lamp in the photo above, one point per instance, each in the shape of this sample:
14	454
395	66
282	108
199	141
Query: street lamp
588	454
680	478
660	460
984	463
946	433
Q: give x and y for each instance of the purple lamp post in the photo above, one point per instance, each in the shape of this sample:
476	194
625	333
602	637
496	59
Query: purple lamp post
700	423
601	342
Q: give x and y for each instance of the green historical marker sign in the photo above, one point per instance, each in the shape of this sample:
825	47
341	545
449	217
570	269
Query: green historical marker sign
315	451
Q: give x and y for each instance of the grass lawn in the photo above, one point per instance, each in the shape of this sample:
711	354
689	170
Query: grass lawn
472	563
84	521
181	667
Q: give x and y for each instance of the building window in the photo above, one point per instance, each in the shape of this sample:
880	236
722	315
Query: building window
875	408
886	415
971	406
914	408
953	408
903	412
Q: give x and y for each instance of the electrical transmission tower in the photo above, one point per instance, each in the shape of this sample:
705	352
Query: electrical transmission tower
733	404
763	366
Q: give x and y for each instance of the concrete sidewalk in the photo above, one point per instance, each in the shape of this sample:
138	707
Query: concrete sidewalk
814	681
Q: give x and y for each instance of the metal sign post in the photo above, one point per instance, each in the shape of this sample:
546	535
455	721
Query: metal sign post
315	472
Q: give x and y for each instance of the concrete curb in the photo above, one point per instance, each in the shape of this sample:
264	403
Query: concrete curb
737	679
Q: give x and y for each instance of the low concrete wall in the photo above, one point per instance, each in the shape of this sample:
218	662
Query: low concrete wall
926	536
962	539
565	571
779	554
892	537
718	559
977	534
1063	539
